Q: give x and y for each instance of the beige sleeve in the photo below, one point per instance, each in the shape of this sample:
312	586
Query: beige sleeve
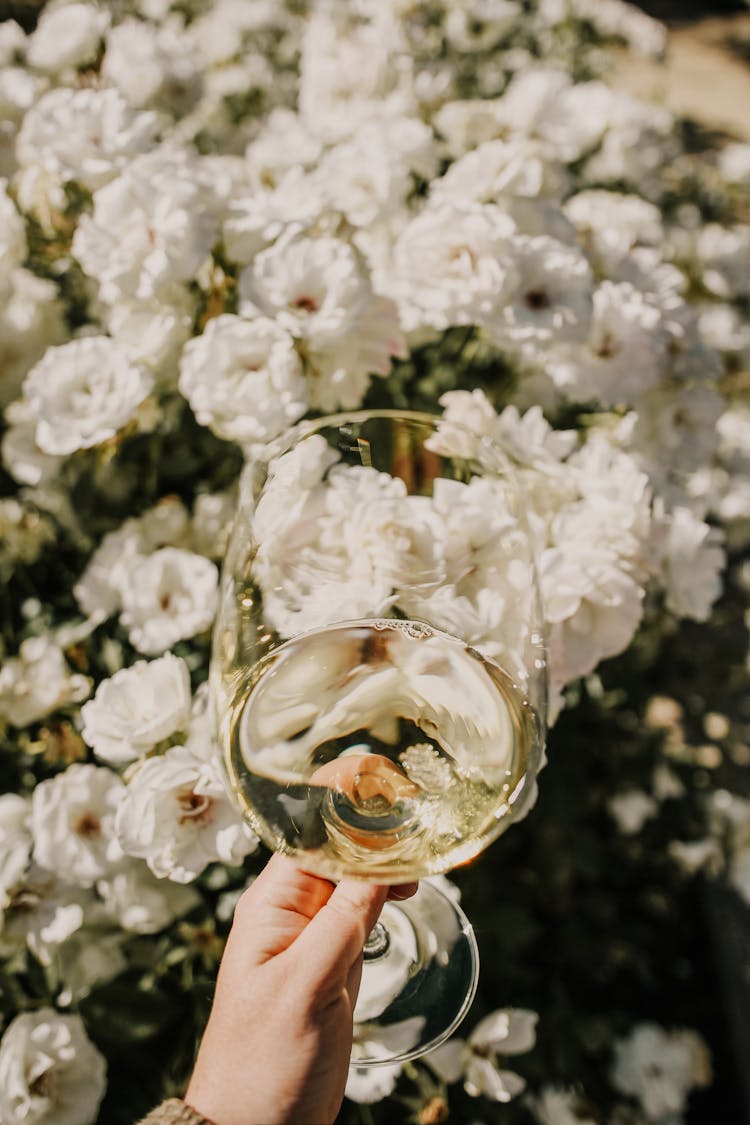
173	1112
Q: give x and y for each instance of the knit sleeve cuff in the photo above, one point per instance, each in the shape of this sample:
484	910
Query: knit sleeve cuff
174	1112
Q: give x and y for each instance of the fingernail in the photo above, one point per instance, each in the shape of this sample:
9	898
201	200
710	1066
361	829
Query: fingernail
406	891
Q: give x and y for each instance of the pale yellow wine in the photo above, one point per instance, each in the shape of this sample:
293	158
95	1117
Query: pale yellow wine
379	749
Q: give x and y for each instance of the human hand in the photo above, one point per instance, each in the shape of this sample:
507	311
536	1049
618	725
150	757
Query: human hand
278	1041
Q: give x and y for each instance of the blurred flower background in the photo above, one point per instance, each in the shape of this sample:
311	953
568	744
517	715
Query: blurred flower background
219	218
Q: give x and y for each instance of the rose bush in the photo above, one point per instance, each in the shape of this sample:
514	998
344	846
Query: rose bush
218	218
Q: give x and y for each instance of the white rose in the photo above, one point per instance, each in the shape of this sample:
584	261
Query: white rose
178	816
501	168
99	589
153	64
673	430
334	551
167	524
31	320
349	72
454	264
72	820
319	290
466	124
42	912
631	809
625	355
543	102
611	224
90	957
284	141
36	682
22	456
592	607
50	1071
24	533
557	1106
12	239
67	35
552	300
143	904
734	163
83	135
167	597
152	226
82	393
136	708
724	254
15	839
244	379
660	1068
12	42
478	1059
640	139
692	565
316	288
213	513
153	332
369	177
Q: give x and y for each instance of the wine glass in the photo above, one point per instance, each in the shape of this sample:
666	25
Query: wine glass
379	680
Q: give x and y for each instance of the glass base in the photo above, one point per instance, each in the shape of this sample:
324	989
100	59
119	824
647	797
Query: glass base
418	979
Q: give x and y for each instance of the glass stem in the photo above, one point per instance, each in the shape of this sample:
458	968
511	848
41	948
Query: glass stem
377	942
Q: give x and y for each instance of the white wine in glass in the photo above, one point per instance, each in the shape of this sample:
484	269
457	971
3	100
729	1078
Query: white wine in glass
379	679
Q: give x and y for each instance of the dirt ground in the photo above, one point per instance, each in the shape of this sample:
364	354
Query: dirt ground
706	75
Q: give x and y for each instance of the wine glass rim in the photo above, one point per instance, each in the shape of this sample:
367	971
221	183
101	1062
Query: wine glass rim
307	427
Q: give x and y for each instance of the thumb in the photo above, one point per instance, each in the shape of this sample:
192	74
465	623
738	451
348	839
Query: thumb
276	909
335	937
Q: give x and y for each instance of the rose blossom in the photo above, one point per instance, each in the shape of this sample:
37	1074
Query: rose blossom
82	393
41	912
318	289
168	596
592	607
12	42
177	815
83	135
50	1071
552	297
660	1068
612	223
99	589
724	255
15	840
508	1031
67	35
152	226
72	820
31	320
213	513
500	168
152	332
136	708
626	353
692	563
244	379
152	64
12	239
557	1106
454	264
36	682
141	903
